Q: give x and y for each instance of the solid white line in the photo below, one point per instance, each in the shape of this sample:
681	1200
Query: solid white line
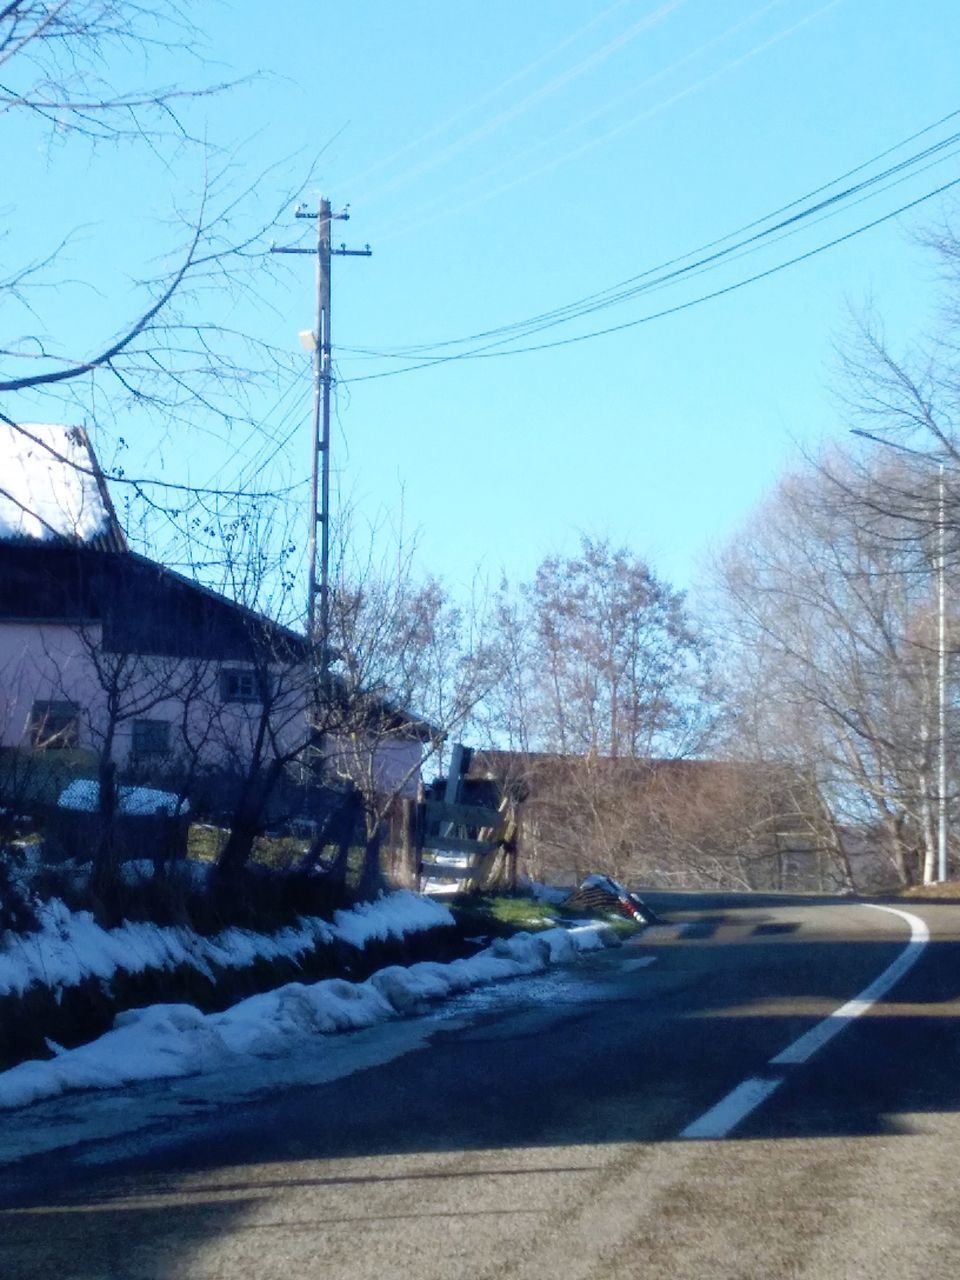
746	1097
640	963
729	1111
803	1049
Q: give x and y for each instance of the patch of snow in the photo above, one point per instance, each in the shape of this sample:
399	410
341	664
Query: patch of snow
97	1127
70	946
390	916
48	488
83	796
173	1040
603	882
545	892
440	889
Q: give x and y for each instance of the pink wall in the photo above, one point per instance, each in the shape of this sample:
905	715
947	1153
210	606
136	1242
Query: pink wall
391	764
55	663
37	663
58	663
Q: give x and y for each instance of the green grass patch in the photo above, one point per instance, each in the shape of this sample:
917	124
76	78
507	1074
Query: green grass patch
499	917
205	842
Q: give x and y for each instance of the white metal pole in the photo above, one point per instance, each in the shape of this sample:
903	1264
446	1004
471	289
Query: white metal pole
942	677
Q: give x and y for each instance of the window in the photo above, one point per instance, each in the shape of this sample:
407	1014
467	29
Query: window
150	738
238	684
55	725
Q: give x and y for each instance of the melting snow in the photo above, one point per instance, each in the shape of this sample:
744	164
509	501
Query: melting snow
70	946
83	794
168	1041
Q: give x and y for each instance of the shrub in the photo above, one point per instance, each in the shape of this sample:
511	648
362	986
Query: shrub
16	906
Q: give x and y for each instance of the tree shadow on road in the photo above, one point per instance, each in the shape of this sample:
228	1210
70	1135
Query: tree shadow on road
655	1049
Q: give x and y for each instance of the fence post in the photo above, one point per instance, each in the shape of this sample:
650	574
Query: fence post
408	871
513	845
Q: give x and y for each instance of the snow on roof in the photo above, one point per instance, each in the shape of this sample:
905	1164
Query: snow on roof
49	484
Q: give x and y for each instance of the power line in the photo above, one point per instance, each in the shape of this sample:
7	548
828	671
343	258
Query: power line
484	353
514	110
621	290
274	443
260	428
779	231
416	143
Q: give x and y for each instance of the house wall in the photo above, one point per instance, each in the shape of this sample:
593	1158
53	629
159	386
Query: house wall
392	763
49	662
54	662
38	662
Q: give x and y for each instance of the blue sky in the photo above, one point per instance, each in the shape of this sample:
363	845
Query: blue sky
504	159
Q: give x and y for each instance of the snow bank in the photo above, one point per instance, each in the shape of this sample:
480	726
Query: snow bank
49	490
83	796
389	917
70	946
169	1040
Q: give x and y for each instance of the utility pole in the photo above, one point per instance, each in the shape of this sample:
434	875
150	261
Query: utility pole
319	342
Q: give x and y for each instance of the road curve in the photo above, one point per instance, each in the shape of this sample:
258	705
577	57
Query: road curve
539	1132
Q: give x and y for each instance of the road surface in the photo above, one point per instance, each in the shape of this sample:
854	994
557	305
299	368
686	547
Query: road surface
678	1107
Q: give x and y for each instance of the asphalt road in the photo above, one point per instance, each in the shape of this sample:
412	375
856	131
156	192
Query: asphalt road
551	1129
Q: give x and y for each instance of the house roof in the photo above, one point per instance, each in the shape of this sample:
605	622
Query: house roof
52	488
55	507
541	773
293	641
143	606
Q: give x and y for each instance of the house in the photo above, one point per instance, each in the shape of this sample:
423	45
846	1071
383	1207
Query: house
105	653
666	823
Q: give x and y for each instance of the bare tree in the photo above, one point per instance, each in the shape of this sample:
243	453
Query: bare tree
909	400
600	672
259	706
410	667
829	616
600	656
130	686
56	59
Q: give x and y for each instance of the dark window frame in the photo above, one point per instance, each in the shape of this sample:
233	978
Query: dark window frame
54	725
141	733
241	684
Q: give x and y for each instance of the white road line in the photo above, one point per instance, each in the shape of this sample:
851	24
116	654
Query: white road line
803	1049
729	1111
722	1118
640	963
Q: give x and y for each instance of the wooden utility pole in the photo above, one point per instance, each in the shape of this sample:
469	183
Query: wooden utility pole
319	342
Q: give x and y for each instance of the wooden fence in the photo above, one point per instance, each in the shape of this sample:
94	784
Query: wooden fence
450	845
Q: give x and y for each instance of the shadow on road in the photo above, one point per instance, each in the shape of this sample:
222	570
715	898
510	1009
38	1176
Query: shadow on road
647	1053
